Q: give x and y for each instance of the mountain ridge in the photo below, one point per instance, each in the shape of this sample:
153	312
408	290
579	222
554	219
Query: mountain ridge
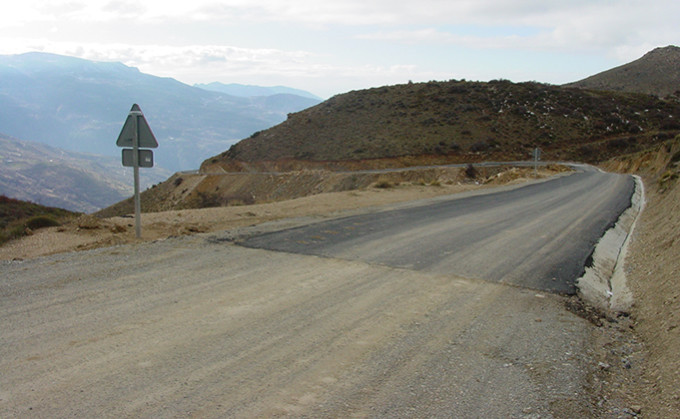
656	73
460	121
246	90
39	173
80	105
456	121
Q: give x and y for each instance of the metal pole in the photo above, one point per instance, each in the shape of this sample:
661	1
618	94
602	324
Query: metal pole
135	164
535	164
536	154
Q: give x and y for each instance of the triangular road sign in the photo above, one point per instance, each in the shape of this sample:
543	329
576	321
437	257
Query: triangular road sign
146	137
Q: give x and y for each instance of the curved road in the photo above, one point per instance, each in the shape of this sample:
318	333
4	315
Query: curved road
198	327
537	236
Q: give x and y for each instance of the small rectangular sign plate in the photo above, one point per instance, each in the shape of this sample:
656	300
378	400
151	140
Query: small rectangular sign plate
145	158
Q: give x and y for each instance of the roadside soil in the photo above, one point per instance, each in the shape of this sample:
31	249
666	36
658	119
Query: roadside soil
89	232
640	359
640	362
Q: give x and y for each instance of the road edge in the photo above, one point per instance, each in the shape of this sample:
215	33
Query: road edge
603	284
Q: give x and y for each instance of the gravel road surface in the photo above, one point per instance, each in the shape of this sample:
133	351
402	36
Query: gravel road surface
199	327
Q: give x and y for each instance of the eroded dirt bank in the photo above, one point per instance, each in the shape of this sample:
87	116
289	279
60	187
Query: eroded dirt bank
92	232
641	359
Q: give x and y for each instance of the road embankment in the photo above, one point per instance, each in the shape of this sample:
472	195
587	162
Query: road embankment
604	284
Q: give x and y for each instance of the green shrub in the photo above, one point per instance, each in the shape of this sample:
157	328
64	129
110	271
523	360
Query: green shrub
470	171
12	233
676	157
41	221
212	200
384	184
667	179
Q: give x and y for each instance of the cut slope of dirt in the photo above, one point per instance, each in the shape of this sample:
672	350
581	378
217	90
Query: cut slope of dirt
643	353
202	190
380	189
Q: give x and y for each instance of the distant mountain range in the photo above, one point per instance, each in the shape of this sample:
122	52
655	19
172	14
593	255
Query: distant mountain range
243	90
75	181
80	105
656	73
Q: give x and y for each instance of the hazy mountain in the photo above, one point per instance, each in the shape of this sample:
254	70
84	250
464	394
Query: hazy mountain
243	90
656	73
81	105
75	181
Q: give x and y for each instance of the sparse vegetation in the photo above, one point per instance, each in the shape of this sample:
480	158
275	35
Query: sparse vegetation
211	200
471	172
384	184
652	75
18	218
456	121
41	221
667	179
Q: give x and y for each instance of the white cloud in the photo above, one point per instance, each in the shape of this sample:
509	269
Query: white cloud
335	41
623	29
577	23
174	58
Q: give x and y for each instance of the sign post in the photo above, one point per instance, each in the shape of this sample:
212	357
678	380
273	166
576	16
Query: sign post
537	157
137	134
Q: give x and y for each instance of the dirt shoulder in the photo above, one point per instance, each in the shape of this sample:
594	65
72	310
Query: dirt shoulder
640	354
655	279
640	360
89	232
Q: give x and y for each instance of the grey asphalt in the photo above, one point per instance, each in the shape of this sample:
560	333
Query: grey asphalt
538	236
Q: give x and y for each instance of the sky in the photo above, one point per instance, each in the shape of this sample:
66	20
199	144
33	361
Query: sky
331	47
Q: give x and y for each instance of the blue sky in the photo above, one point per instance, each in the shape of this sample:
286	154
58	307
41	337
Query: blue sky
331	47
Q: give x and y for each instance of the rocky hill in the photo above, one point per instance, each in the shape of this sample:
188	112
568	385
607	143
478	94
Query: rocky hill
656	73
456	121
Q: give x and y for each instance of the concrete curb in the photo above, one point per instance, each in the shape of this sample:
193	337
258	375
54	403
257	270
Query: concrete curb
603	284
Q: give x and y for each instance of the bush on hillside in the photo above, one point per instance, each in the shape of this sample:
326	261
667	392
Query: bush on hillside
470	171
41	221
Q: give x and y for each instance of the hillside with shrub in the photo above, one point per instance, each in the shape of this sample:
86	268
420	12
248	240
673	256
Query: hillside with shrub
456	121
18	218
656	73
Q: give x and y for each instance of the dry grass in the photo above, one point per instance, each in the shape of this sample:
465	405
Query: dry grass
459	121
19	218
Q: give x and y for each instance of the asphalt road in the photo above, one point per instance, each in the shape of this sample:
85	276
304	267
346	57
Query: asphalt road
197	326
538	236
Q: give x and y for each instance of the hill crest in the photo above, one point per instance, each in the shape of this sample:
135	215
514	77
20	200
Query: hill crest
456	121
656	73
